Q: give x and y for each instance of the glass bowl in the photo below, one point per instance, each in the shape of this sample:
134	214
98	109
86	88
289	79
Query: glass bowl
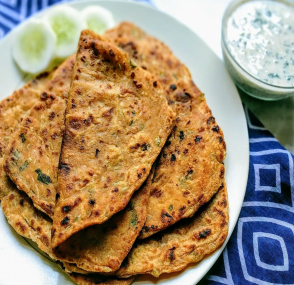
242	78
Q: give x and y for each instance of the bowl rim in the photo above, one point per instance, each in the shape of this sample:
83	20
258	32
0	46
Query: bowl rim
233	5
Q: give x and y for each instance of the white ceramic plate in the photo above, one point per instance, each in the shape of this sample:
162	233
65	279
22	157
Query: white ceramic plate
19	262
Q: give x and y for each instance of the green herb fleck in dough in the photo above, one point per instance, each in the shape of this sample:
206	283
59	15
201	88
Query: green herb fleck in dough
155	273
119	66
133	112
23	138
183	180
175	76
77	218
132	64
162	74
170	207
24	166
158	141
43	177
134	219
132	122
15	157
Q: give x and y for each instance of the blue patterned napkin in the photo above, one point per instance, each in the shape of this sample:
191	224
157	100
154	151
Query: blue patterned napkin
261	248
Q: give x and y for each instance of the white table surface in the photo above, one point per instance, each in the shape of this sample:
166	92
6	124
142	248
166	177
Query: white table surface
204	18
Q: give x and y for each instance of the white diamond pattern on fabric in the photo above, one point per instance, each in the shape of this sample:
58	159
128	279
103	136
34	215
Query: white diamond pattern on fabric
244	264
285	266
267	203
261	246
258	186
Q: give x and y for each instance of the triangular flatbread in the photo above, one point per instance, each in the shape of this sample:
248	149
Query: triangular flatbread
12	111
32	158
116	124
190	168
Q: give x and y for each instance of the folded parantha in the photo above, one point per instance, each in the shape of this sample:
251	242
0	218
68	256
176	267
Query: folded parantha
91	279
189	170
12	111
102	248
188	241
32	158
27	220
116	124
35	225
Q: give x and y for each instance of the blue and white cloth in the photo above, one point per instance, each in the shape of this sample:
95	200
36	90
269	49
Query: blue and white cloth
12	12
261	249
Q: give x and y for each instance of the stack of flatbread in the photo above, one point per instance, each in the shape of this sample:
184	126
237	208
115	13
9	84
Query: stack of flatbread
113	162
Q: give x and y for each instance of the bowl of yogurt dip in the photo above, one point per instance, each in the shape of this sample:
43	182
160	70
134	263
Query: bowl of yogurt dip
258	47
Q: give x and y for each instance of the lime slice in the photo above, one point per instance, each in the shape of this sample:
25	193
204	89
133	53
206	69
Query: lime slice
67	25
34	45
98	19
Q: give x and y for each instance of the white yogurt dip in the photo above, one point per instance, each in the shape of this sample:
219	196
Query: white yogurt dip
260	37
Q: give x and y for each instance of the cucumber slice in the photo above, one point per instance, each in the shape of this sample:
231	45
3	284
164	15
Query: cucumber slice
98	19
67	24
34	45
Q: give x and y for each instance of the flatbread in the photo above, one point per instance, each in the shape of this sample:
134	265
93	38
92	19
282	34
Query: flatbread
33	154
12	111
32	158
27	220
188	241
116	124
189	170
5	181
102	248
90	279
14	107
72	268
35	225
